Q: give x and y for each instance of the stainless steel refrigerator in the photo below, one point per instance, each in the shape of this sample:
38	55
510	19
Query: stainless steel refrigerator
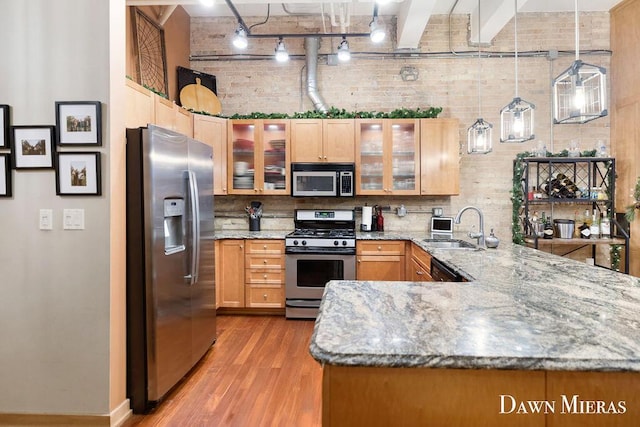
170	261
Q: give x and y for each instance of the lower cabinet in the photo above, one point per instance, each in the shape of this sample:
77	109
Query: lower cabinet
264	274
230	273
382	260
419	265
249	273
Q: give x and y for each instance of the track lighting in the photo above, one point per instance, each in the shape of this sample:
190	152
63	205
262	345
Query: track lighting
343	50
240	38
281	51
377	30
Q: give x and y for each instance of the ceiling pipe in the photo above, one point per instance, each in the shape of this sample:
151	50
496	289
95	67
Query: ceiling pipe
311	46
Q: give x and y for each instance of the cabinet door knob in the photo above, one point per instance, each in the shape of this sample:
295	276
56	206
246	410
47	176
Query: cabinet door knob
265	276
264	296
265	246
419	273
379	248
264	262
319	157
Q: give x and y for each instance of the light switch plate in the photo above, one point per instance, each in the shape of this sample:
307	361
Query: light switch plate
46	219
73	219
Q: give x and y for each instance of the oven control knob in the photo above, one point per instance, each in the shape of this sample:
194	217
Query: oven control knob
304	243
335	243
344	243
295	243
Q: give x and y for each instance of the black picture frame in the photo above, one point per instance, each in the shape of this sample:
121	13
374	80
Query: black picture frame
78	123
78	174
5	175
5	125
33	147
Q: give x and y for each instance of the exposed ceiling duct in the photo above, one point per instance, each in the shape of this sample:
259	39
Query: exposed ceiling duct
311	47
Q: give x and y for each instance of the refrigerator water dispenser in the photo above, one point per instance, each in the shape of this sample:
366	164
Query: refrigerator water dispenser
173	226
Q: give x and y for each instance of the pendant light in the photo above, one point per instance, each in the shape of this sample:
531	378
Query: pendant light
580	92
479	134
516	118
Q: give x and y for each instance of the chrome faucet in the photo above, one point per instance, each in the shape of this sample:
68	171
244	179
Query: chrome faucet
479	236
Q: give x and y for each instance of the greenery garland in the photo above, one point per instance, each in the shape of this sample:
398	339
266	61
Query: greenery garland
615	252
517	193
630	211
335	113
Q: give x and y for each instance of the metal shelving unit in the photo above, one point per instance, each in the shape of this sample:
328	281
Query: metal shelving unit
584	173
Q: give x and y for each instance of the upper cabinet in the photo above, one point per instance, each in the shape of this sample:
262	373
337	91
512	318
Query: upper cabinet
139	105
213	131
258	154
170	116
439	157
322	140
388	154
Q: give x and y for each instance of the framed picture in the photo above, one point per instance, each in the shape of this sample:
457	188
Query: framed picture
5	122
79	123
5	175
78	174
33	147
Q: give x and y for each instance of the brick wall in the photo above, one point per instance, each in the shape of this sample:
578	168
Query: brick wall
372	82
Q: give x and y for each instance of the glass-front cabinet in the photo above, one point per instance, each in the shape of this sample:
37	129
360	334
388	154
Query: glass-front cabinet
258	157
387	156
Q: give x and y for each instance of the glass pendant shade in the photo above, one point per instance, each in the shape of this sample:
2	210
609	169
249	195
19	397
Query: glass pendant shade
479	137
580	94
517	121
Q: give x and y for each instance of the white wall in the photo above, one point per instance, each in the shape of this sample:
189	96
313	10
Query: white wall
54	285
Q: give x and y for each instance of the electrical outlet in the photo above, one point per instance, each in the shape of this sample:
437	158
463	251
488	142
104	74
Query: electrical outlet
73	219
46	219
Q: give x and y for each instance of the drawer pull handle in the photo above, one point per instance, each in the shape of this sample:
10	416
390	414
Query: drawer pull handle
265	246
265	261
265	276
419	273
264	296
379	248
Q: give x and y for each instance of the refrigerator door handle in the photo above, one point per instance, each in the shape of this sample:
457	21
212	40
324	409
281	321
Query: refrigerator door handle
195	228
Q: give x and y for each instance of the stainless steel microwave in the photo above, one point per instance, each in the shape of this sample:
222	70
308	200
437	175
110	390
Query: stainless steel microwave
322	179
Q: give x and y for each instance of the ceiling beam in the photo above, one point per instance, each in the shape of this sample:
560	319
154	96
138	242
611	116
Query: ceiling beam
495	15
412	20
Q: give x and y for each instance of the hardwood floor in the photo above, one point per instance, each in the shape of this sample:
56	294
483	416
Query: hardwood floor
259	373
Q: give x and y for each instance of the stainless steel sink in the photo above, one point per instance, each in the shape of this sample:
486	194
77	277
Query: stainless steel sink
450	244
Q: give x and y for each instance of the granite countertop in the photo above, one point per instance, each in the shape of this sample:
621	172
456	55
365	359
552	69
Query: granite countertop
522	309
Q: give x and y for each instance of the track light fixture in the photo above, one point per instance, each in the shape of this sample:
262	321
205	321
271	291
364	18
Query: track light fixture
281	51
343	50
240	38
377	30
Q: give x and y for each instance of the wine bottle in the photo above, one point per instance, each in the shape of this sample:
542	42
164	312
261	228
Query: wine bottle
605	226
547	233
595	226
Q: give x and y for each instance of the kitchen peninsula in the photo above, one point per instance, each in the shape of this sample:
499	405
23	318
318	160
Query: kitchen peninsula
531	340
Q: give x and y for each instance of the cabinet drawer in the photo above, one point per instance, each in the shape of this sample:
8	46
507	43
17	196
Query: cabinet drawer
264	261
265	276
272	247
265	296
379	247
421	256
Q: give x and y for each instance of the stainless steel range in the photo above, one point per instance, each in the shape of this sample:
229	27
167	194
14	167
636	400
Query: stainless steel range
322	248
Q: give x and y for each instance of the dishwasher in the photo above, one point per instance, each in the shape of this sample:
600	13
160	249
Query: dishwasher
440	272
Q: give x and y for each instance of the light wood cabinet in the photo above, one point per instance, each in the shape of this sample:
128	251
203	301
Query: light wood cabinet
264	274
380	260
258	157
213	131
387	157
139	105
419	265
323	140
230	272
439	157
170	116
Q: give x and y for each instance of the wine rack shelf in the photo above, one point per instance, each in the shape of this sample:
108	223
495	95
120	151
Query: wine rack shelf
563	181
